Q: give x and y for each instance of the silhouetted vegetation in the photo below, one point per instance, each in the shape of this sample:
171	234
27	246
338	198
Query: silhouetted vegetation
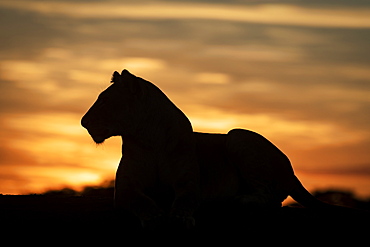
106	189
335	197
91	210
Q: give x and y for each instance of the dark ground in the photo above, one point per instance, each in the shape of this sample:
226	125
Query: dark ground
91	216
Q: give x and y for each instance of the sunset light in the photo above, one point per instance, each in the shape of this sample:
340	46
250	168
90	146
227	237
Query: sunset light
294	72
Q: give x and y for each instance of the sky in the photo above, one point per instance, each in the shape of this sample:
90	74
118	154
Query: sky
294	71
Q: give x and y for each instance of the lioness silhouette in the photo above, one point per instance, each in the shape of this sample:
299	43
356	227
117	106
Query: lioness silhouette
167	170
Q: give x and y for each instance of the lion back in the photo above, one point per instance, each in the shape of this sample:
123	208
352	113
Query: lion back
261	163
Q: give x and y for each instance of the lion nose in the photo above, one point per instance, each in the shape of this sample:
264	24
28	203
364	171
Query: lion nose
84	122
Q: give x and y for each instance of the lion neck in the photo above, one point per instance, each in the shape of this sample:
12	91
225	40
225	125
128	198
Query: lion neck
160	126
161	133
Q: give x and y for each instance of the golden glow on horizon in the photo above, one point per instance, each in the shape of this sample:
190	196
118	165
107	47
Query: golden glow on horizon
46	178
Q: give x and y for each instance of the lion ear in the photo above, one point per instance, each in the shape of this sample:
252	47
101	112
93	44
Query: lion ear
116	77
125	72
131	82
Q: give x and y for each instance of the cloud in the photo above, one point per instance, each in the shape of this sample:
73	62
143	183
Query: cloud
213	78
134	63
305	134
266	14
291	69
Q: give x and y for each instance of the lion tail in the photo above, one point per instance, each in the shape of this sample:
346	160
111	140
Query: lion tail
301	195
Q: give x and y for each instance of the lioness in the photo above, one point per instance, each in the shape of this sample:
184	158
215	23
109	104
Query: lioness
163	158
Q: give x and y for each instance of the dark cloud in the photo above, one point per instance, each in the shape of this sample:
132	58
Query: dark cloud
322	3
25	34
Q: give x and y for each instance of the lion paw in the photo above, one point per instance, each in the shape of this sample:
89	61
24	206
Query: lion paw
154	223
181	222
252	202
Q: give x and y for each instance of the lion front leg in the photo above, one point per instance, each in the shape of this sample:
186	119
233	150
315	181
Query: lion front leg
182	173
184	205
140	205
129	196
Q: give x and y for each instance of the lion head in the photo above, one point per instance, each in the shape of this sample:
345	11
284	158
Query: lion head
129	107
114	110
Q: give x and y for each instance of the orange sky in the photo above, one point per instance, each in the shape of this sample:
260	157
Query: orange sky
296	72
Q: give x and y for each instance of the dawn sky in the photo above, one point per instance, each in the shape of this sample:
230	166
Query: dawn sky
297	72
